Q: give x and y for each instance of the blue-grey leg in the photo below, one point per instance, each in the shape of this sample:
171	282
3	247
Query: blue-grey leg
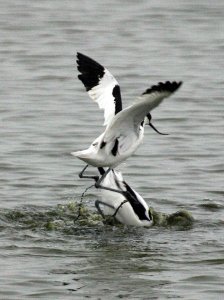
126	194
98	184
82	196
96	178
116	211
97	204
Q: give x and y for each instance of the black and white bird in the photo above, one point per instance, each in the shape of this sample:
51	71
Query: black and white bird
124	203
124	128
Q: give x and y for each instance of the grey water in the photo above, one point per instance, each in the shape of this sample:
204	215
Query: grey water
46	114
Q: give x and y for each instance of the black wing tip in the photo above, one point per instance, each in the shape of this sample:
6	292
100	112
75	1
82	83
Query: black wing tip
86	62
81	56
164	87
90	71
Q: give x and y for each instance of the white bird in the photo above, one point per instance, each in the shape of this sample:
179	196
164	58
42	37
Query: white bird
124	203
124	128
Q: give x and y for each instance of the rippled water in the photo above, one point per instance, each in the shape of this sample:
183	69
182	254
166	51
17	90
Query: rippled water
46	114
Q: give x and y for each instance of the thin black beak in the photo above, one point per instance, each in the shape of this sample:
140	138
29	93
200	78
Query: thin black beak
156	130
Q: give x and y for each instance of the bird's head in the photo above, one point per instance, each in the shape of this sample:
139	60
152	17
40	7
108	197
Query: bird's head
147	121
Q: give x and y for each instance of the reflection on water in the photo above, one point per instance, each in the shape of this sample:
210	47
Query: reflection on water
46	114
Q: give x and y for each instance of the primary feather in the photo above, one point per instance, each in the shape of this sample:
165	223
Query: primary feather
100	85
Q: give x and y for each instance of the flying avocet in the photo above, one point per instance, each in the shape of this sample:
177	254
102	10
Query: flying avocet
124	128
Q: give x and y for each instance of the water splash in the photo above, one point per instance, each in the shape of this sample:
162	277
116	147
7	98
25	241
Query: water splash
64	217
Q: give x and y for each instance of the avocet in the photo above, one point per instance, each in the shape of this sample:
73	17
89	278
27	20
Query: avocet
124	128
122	202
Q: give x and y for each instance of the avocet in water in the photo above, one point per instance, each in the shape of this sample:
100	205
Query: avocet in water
122	202
124	128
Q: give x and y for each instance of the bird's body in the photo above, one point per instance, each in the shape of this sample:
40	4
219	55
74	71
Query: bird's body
116	150
124	128
129	208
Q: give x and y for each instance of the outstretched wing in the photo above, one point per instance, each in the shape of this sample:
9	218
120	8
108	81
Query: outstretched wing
101	86
132	116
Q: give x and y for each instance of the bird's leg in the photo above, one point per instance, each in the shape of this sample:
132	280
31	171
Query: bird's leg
97	204
124	193
82	196
117	209
83	170
87	176
100	186
98	183
99	180
80	203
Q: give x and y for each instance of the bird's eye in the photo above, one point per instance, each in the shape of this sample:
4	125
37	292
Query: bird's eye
94	144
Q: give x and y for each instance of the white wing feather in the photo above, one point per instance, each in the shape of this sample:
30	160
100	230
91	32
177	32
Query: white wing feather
103	95
122	124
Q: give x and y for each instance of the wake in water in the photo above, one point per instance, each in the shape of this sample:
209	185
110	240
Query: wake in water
62	217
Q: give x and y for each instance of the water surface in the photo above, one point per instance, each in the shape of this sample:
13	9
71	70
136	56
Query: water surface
46	114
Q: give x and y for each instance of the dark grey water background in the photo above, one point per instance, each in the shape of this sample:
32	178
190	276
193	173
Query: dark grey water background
45	114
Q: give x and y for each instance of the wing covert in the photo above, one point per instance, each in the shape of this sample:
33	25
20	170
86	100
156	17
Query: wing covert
134	114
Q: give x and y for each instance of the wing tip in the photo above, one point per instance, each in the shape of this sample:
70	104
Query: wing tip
79	56
167	86
90	71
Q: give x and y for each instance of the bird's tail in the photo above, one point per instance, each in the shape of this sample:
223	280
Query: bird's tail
80	154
